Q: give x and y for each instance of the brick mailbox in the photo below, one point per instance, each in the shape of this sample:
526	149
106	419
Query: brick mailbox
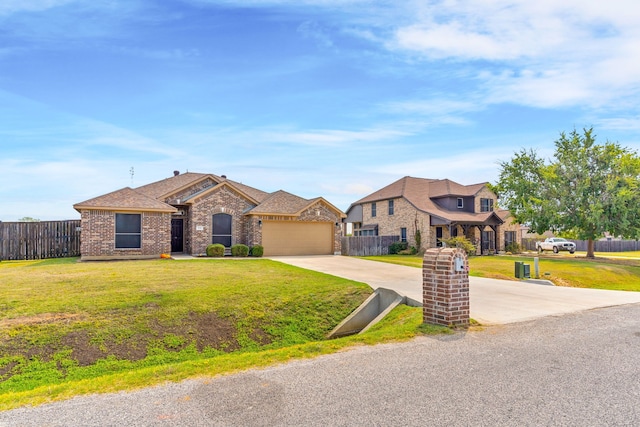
445	287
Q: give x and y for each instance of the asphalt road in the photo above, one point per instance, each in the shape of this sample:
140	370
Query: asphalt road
579	369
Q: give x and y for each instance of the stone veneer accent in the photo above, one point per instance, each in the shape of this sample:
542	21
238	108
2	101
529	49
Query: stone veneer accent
445	291
98	240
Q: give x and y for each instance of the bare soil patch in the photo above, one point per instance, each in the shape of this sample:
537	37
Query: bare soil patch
203	330
40	319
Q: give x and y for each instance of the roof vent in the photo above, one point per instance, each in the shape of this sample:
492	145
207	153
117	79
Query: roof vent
176	173
223	176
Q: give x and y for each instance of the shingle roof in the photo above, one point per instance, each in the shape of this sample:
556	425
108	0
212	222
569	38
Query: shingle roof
125	199
282	203
503	214
417	189
254	193
447	188
466	217
172	184
169	185
420	192
148	197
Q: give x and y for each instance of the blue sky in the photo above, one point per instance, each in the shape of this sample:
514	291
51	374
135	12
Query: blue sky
332	98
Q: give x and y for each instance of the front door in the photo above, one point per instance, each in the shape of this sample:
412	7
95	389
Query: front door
177	227
488	241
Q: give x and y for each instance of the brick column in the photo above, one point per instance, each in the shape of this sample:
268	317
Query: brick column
445	289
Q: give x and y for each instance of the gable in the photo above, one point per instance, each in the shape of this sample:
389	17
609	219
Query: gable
286	204
207	192
165	187
180	195
125	199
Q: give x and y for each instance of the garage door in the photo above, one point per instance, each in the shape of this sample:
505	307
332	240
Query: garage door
297	238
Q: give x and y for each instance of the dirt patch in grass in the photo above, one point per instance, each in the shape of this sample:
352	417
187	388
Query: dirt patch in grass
40	319
202	330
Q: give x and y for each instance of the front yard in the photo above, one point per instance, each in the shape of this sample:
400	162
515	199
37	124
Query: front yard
71	328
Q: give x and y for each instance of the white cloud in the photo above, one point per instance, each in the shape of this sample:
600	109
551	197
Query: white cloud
336	138
321	138
442	41
434	111
543	54
48	190
271	3
314	31
548	89
432	106
12	6
166	54
349	188
466	167
620	123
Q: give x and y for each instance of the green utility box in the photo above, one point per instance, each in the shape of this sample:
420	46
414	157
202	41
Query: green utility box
522	270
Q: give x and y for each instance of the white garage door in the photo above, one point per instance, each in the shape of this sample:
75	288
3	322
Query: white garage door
297	238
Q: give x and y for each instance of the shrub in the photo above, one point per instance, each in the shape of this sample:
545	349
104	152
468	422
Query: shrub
257	250
462	243
409	251
513	247
396	247
215	250
239	250
418	238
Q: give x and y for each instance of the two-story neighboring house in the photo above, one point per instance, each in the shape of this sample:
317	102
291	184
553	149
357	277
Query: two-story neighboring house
439	208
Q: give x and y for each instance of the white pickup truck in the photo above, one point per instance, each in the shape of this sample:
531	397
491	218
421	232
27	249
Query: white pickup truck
556	244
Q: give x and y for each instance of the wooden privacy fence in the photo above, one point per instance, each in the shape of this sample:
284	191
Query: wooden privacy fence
367	245
599	245
37	240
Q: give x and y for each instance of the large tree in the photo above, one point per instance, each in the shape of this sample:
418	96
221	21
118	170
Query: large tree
586	189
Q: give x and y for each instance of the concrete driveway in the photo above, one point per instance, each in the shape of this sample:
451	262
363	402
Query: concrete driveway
492	301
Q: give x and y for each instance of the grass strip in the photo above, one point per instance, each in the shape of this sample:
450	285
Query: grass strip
572	271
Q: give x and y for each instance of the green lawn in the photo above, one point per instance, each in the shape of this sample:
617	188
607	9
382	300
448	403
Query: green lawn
70	328
563	269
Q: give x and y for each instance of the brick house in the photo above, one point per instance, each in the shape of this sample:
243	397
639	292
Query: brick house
187	212
439	208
